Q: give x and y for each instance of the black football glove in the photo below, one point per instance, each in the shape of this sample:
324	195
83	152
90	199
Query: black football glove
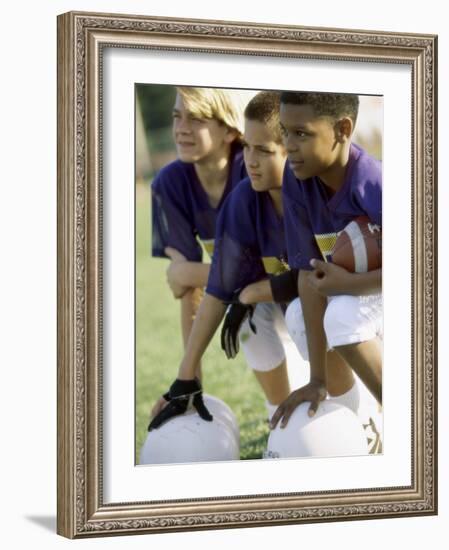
182	395
235	316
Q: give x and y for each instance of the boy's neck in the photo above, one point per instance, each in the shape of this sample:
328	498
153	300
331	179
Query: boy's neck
276	197
334	177
213	172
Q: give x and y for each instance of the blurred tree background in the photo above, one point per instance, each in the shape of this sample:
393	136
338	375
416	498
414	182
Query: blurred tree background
157	102
154	142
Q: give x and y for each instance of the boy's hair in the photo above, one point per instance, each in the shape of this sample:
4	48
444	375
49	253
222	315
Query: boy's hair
226	106
264	107
325	104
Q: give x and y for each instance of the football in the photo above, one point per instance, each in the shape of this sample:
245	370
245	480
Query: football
359	246
334	431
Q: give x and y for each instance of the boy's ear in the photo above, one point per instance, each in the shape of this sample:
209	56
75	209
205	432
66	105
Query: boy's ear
343	129
231	134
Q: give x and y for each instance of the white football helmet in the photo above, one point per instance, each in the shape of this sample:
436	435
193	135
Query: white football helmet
220	409
371	416
189	438
334	431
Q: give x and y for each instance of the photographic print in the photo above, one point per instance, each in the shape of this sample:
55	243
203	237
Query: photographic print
178	157
237	344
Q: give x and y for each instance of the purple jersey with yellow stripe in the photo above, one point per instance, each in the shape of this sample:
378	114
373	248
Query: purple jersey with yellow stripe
181	212
249	243
314	217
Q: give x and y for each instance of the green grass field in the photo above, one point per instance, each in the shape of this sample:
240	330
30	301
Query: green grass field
159	349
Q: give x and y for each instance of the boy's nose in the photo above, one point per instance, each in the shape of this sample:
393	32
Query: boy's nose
290	145
183	126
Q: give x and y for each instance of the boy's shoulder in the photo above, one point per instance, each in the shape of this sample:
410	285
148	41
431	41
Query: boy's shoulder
366	170
242	195
240	206
172	174
363	195
244	191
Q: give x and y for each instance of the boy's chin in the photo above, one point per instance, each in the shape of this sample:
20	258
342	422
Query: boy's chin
185	157
258	186
301	174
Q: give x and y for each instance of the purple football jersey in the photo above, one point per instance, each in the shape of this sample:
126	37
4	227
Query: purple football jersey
314	217
249	243
181	212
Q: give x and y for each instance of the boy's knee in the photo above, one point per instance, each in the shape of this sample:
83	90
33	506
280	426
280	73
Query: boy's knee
263	350
342	321
294	320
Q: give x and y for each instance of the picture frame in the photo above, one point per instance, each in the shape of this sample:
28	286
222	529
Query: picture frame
83	39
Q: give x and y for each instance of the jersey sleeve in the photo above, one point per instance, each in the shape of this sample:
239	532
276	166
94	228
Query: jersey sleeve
236	261
368	189
301	243
172	223
371	201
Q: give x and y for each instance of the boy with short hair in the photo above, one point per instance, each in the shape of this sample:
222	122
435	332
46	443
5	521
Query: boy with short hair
334	182
249	229
188	193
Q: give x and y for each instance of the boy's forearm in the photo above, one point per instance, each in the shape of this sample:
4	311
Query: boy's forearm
363	284
257	292
278	288
194	274
207	320
190	303
313	307
329	279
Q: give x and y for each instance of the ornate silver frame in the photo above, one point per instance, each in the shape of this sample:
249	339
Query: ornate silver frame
81	38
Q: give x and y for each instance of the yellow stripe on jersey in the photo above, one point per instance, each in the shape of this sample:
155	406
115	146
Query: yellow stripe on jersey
208	246
274	266
326	243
